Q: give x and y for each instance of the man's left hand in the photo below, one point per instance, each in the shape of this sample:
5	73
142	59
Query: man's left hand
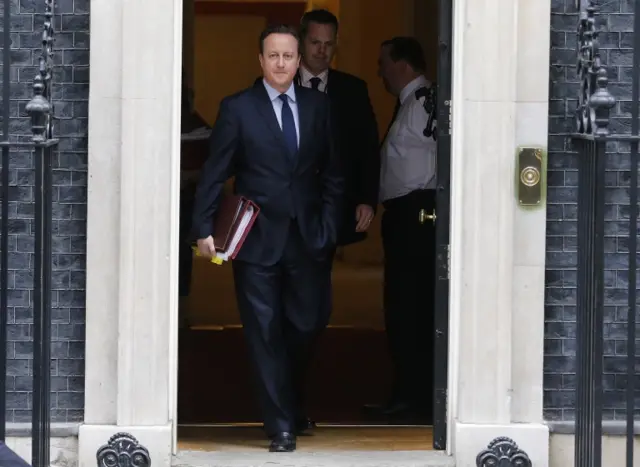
364	216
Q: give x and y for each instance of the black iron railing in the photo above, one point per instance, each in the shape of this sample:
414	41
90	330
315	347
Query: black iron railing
42	145
592	139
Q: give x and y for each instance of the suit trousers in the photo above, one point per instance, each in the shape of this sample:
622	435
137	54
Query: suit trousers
280	309
409	289
327	300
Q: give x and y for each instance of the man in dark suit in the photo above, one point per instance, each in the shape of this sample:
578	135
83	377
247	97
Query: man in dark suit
355	129
275	138
354	121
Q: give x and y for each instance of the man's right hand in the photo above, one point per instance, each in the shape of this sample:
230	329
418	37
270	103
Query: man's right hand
206	247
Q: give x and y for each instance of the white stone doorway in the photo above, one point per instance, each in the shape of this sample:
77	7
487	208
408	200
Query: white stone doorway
341	381
497	251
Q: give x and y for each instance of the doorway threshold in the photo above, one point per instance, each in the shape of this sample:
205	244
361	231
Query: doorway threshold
328	445
251	438
323	458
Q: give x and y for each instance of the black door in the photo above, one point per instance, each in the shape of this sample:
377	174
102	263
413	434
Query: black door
441	314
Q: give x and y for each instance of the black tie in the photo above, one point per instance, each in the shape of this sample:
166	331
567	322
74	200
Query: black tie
393	119
315	83
289	126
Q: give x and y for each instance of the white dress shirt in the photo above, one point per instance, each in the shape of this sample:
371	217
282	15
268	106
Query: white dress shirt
408	158
306	75
276	102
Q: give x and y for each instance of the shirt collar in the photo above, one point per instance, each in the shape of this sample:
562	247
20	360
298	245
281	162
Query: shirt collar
274	94
411	87
306	75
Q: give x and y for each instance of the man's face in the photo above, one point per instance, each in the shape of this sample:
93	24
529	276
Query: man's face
279	60
319	46
388	70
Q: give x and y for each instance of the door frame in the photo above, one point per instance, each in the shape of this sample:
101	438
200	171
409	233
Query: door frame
456	220
448	229
117	391
442	273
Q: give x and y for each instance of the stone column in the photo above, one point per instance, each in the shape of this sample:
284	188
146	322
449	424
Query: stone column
497	250
532	121
133	223
488	153
103	213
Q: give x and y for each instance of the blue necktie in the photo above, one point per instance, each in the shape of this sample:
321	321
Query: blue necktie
289	126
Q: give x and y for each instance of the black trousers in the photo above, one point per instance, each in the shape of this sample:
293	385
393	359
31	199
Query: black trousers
280	308
409	286
327	299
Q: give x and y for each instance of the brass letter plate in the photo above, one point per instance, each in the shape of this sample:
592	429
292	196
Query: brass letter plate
529	176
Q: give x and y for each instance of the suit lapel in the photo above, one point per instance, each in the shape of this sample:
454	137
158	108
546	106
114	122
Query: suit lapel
305	116
265	108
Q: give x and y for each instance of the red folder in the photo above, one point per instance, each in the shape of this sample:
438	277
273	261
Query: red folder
233	221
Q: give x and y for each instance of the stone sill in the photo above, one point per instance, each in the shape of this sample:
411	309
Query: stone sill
609	427
314	459
58	430
64	430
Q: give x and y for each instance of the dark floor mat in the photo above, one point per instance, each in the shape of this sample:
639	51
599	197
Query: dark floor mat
351	368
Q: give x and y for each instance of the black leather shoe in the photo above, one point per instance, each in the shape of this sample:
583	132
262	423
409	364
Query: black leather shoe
283	442
304	425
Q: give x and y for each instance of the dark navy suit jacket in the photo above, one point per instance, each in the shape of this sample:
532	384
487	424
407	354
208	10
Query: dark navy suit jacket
247	143
357	136
359	145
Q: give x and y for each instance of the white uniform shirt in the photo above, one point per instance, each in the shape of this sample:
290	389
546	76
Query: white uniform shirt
408	157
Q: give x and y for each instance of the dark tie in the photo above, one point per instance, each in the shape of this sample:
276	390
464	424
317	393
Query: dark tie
289	126
315	83
393	119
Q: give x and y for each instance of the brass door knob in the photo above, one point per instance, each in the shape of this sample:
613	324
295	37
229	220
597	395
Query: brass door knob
423	216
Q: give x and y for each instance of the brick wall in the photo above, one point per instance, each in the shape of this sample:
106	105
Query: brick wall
71	88
616	22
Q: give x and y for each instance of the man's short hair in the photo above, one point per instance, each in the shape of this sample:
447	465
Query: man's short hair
277	29
319	16
407	49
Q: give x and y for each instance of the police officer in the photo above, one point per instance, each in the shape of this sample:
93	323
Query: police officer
407	185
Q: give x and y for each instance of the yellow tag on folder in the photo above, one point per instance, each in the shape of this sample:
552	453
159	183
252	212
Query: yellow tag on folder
214	260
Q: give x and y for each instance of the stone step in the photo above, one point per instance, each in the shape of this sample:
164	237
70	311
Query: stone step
314	459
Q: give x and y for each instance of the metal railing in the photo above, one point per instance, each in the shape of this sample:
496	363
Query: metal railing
42	146
592	140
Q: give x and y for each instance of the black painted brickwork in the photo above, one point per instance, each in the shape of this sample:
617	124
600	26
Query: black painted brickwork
616	21
70	95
